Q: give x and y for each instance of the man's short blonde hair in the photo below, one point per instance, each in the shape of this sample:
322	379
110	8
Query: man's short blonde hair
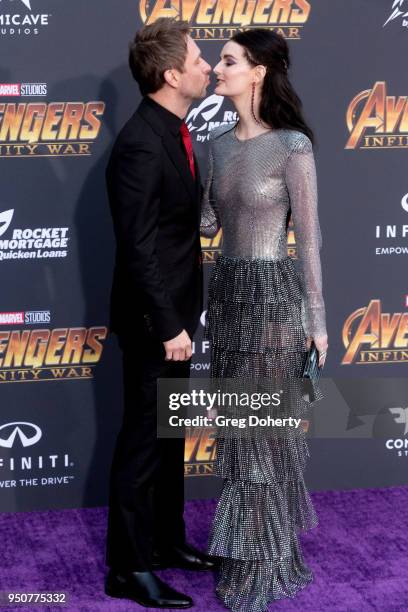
156	48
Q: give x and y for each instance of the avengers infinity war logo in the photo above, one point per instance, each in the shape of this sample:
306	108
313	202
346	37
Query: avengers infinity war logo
49	129
371	336
384	117
50	354
199	451
221	19
211	247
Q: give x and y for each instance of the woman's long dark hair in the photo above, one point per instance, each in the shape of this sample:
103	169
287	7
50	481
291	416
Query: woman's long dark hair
280	106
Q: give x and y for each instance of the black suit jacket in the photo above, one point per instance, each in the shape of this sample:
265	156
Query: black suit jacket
155	206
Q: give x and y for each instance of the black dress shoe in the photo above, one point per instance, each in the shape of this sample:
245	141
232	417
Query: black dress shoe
183	556
146	589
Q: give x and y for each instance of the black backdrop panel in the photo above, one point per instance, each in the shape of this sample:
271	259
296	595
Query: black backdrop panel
65	91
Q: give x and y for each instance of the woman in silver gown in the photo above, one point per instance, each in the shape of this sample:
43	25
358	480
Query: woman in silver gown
262	313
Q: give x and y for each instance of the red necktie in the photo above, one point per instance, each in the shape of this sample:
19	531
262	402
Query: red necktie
185	134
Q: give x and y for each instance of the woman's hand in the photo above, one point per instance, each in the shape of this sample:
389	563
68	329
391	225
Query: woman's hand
321	345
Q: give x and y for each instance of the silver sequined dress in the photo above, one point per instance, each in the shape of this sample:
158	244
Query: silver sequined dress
261	307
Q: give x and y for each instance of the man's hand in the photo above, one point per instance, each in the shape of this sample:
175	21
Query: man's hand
178	348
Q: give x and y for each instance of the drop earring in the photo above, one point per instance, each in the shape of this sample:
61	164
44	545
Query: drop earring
253	105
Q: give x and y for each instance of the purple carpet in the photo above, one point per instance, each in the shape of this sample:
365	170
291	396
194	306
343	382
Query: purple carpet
358	554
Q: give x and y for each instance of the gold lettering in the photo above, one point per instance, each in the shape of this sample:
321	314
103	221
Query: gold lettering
223	11
57	341
16	349
33	122
244	12
37	348
372	115
388	329
300	15
393	112
281	11
368	331
52	119
12	120
401	339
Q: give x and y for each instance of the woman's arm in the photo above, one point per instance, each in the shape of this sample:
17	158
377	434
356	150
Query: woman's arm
210	223
302	187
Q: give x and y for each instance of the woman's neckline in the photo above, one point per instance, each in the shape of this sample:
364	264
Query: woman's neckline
252	137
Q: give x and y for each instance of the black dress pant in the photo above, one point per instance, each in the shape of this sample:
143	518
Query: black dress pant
146	502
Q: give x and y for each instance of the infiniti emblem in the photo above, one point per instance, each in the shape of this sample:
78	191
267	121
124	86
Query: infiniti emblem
28	433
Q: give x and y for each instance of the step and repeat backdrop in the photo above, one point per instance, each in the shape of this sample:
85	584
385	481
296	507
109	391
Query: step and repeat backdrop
65	91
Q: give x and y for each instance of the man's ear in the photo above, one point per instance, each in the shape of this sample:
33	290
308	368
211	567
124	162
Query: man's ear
172	77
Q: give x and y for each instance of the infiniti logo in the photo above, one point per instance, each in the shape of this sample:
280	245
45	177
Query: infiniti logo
28	433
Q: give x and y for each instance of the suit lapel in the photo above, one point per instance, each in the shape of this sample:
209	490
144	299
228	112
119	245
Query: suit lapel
180	161
198	190
171	146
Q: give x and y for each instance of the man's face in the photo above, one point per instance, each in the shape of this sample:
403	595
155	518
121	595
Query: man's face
195	78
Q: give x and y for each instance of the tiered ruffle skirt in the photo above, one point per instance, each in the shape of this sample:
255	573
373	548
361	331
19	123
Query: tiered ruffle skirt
255	328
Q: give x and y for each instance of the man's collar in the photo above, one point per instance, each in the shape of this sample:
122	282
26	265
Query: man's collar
170	120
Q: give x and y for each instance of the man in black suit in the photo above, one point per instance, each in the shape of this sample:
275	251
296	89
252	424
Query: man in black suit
154	193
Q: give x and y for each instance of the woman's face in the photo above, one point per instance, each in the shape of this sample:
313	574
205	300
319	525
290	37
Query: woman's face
234	73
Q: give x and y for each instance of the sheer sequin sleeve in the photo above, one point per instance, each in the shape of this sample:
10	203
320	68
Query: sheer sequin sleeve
302	187
210	223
